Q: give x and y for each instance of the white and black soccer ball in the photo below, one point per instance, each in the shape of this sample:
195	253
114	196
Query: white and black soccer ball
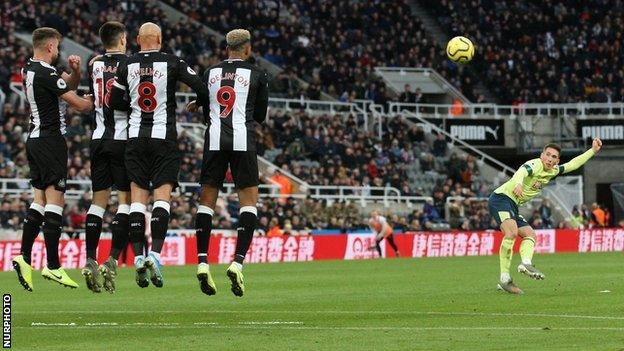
460	50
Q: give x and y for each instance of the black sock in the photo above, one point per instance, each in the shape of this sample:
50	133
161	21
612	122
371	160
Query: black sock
92	233
52	233
378	247
159	224
246	227
392	244
137	232
119	227
32	226
203	226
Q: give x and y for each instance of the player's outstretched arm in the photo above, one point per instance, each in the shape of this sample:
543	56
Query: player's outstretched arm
190	78
119	99
73	79
262	99
82	104
581	159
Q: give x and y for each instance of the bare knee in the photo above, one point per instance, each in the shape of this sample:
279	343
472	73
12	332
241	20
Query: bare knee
100	198
209	196
139	194
248	196
163	192
509	229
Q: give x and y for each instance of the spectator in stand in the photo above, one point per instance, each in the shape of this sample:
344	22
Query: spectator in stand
407	96
440	147
274	228
278	178
575	52
597	216
577	221
545	212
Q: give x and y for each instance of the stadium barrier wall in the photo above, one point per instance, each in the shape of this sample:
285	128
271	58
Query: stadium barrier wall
181	249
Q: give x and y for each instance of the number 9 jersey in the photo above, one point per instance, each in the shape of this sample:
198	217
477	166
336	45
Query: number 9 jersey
238	99
239	96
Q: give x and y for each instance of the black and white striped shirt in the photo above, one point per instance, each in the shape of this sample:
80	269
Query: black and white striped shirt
43	86
150	79
109	123
239	96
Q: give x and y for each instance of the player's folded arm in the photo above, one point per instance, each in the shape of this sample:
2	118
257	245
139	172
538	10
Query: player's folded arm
73	80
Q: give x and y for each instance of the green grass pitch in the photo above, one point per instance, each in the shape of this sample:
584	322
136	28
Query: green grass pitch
394	304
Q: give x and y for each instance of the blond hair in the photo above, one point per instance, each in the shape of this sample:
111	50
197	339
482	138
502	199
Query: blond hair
237	38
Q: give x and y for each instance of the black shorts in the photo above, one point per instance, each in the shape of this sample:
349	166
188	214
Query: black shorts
47	159
502	207
151	163
243	164
108	167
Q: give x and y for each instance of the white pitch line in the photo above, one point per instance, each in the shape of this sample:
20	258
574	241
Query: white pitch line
269	323
327	328
490	314
38	324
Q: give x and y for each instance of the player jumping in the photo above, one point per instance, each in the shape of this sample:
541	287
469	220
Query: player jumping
150	78
46	150
238	100
108	146
526	184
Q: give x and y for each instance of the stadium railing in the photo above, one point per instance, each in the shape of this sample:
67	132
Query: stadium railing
196	131
388	196
581	110
454	199
431	74
362	107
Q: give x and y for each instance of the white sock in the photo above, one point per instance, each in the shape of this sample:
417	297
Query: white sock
137	258
155	254
505	277
526	261
238	265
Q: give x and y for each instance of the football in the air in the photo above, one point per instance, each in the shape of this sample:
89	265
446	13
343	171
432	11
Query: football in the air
460	49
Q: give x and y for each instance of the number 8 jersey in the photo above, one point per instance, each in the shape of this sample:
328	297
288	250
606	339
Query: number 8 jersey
109	123
150	79
239	96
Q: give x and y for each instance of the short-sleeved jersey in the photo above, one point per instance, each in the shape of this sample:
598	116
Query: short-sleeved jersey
533	183
150	79
239	97
109	123
43	85
380	225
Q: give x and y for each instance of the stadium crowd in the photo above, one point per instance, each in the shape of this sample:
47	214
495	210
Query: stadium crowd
321	150
542	51
334	46
337	59
560	53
